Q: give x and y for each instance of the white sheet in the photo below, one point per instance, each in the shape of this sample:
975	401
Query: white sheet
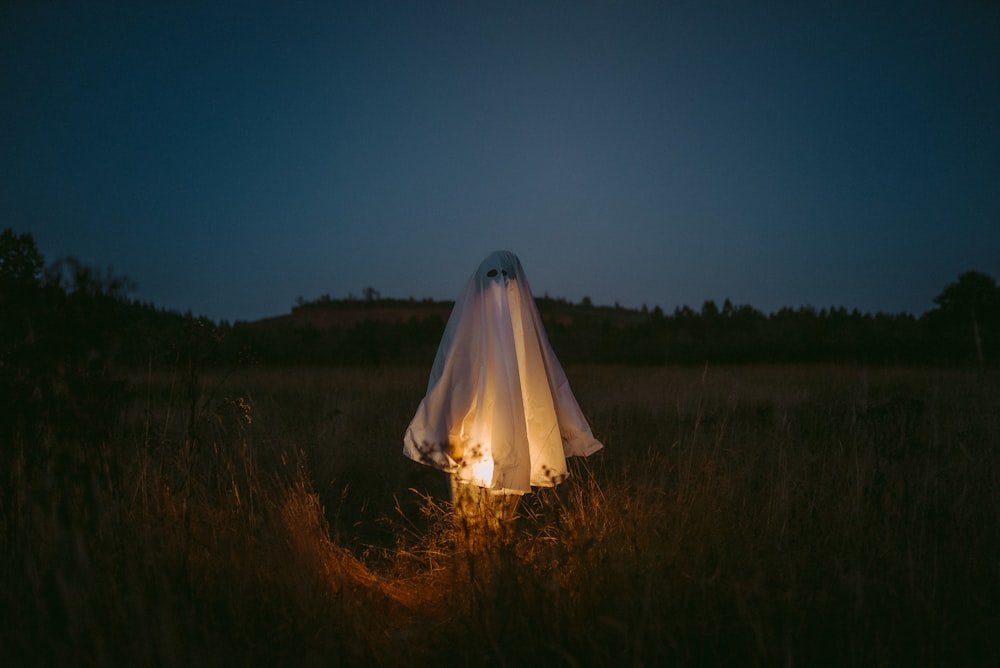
499	412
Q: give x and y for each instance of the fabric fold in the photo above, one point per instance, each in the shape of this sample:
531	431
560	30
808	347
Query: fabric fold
499	412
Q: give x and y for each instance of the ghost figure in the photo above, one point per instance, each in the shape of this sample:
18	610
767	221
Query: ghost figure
499	413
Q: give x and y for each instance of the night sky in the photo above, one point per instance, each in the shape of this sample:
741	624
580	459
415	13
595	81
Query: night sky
233	157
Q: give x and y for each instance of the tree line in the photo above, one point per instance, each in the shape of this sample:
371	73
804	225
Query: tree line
68	321
963	328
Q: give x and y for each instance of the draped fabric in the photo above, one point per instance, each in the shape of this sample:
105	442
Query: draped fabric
499	412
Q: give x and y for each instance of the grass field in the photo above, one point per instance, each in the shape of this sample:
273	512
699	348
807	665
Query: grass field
743	516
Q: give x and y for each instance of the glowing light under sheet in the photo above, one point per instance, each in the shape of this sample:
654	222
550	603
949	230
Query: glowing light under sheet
499	412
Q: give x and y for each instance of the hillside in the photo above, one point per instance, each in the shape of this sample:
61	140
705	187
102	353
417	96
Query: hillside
964	328
350	312
328	313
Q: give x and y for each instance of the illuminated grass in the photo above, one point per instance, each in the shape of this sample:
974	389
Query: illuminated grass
739	515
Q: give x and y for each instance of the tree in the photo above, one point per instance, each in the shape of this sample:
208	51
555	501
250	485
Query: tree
967	317
973	292
20	271
20	262
60	332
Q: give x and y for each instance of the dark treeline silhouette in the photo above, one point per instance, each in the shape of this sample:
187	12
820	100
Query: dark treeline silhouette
66	327
963	328
742	334
69	334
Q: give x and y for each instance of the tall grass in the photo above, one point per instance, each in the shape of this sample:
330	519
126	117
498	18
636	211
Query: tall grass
738	515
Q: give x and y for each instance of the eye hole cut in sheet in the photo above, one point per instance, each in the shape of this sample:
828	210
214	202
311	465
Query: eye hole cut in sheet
499	412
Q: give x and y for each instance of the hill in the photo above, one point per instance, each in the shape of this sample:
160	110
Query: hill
71	319
964	328
327	313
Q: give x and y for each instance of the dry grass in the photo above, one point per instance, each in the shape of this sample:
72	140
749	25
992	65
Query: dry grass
737	516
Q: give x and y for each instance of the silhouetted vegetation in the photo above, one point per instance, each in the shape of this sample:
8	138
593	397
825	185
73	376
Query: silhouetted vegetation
179	492
964	328
79	321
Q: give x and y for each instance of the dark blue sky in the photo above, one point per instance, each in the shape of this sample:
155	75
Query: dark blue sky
229	158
